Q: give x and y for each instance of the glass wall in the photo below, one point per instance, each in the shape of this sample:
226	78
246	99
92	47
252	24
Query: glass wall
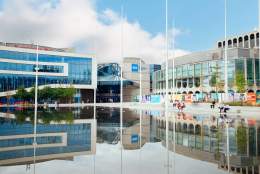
79	70
200	74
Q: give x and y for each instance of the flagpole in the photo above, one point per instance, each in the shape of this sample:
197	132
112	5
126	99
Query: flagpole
226	56
140	97
121	90
259	42
173	94
167	86
35	107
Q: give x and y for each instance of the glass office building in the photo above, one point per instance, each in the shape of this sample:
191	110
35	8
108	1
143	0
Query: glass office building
56	69
195	72
108	88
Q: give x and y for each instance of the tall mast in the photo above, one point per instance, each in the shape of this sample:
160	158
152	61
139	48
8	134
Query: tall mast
167	86
35	107
226	56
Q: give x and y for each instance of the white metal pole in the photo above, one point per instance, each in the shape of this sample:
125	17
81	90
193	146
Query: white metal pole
226	56
140	112
173	94
140	100
140	81
258	82
173	62
35	107
228	153
167	86
140	140
121	88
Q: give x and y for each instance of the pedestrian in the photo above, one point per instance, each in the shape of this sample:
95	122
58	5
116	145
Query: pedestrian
226	108
182	106
221	107
212	106
174	104
178	106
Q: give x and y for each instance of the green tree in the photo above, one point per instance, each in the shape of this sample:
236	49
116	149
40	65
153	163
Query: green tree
240	82
213	80
68	94
21	94
46	93
241	136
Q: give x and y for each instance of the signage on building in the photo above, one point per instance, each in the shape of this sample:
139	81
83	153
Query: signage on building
258	97
134	138
135	68
251	98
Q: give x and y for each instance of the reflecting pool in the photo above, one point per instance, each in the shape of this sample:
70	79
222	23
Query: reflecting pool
101	140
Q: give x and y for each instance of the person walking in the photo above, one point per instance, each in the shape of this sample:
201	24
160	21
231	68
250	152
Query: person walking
212	106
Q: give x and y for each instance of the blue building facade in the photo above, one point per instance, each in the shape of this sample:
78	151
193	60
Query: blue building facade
56	69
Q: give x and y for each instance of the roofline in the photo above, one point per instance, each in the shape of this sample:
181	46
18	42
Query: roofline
54	53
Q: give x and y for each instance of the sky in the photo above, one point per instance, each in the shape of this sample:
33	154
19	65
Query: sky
151	159
94	26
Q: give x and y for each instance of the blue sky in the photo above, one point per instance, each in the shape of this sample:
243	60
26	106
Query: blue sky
202	21
81	24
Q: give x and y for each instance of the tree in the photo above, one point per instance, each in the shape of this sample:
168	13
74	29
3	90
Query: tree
241	136
215	80
69	93
21	94
240	81
46	93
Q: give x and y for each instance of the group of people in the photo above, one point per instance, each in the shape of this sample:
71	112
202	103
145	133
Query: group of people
222	108
179	105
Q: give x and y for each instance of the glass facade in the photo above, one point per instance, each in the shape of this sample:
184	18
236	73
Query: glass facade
30	67
79	70
199	75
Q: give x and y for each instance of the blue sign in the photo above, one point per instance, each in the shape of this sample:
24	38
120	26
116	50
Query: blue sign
134	138
135	68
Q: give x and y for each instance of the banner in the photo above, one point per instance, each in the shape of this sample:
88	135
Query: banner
188	98
251	98
258	97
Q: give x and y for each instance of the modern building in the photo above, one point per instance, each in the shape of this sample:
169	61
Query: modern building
108	80
57	68
153	69
203	72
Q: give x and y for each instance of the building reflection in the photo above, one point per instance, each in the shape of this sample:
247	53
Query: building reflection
66	133
55	140
205	138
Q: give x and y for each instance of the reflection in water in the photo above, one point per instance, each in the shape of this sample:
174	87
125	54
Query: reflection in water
206	139
66	133
56	139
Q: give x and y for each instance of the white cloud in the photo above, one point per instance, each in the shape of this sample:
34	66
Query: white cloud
63	23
